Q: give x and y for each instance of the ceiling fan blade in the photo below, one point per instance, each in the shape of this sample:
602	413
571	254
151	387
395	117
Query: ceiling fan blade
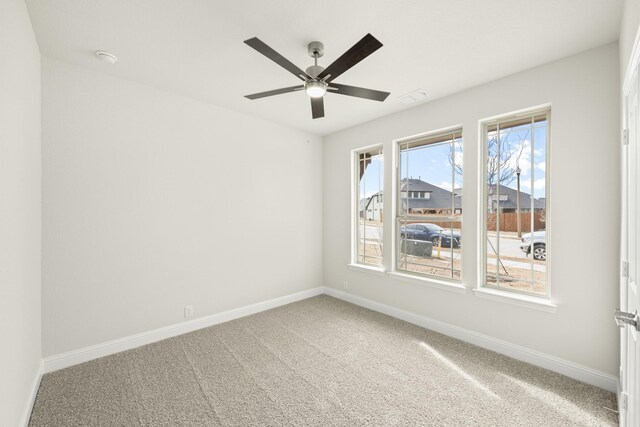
317	108
274	92
360	92
357	53
261	47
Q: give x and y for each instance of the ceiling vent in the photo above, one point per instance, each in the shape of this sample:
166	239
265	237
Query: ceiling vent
415	96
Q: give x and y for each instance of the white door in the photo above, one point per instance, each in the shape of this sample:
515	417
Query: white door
629	293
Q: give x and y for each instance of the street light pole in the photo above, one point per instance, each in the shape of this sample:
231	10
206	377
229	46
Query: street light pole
518	204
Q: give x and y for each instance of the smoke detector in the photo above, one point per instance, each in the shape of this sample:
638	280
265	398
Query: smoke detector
107	57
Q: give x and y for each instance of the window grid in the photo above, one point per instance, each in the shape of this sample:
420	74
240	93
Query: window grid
443	261
535	280
368	229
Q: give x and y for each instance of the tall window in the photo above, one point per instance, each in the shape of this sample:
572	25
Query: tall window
515	203
429	205
369	207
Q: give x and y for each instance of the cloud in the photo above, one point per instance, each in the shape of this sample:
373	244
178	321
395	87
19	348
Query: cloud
459	160
538	184
542	166
522	149
446	185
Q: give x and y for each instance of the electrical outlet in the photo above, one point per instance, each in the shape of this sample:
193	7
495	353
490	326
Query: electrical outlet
346	284
188	311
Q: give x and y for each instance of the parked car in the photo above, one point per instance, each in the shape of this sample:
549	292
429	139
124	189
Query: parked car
431	232
537	239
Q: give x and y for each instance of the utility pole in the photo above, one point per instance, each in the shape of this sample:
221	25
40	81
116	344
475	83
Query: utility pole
518	203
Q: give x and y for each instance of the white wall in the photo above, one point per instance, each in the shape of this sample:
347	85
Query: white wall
20	202
628	32
584	187
152	201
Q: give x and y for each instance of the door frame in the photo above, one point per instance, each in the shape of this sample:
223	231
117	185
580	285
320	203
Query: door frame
631	73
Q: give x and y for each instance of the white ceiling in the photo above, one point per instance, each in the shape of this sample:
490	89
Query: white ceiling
195	47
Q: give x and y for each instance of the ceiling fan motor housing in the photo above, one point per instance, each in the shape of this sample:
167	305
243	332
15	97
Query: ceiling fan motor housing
316	49
314	70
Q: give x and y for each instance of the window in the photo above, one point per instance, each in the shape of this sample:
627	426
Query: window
367	232
428	229
515	188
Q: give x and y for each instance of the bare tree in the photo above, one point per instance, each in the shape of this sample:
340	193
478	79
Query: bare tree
502	159
455	149
500	165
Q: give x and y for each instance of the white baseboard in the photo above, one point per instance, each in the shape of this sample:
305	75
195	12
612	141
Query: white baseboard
32	396
64	360
543	360
622	411
552	363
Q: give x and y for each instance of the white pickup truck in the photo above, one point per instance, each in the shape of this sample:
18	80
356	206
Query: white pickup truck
539	244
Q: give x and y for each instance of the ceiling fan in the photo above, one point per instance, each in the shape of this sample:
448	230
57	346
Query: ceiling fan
319	80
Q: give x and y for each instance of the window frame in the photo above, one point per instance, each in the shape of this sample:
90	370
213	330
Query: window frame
482	285
457	284
355	207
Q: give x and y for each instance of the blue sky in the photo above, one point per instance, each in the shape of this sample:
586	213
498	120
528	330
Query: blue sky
532	173
432	163
371	181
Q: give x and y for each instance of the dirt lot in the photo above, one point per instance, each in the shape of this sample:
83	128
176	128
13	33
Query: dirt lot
513	278
517	278
439	267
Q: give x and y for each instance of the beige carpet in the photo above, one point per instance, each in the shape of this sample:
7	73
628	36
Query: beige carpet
320	362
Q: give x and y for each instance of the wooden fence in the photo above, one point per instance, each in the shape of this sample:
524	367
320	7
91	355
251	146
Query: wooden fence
508	222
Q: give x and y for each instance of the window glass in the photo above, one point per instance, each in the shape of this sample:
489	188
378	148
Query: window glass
429	206
370	213
515	236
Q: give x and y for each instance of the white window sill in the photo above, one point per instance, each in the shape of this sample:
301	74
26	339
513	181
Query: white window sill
536	303
432	283
378	271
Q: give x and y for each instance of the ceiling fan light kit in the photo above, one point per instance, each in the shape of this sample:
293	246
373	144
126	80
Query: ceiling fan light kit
315	88
317	79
